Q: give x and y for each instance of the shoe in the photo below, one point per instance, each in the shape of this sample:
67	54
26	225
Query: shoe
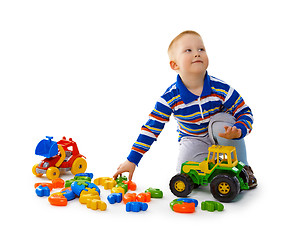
252	180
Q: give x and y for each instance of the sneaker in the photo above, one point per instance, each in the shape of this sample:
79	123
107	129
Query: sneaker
252	180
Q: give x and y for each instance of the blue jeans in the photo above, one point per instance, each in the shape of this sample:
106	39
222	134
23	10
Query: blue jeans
196	148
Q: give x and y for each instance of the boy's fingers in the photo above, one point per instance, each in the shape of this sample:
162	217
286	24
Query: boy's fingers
130	176
221	134
226	128
117	174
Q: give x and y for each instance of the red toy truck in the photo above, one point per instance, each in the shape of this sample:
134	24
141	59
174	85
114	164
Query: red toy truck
59	156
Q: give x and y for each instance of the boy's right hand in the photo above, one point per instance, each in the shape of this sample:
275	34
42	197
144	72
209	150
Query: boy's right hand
126	166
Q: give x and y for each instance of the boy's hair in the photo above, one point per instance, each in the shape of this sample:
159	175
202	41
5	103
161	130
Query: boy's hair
177	38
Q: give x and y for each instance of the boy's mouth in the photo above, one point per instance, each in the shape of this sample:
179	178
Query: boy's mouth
197	61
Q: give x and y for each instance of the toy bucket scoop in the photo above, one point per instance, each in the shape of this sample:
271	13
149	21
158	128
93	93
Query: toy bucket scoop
47	148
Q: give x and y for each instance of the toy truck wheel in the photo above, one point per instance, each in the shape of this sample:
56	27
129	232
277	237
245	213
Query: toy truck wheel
34	171
52	173
181	185
79	166
225	187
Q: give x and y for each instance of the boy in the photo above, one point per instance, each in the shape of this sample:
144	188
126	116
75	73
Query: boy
208	111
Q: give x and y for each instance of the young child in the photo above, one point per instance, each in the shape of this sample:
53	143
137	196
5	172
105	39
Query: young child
208	111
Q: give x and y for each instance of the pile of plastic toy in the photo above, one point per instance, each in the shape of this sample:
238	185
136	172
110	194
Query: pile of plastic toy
88	192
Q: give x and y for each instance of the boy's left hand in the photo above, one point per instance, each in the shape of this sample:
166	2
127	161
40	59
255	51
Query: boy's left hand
231	133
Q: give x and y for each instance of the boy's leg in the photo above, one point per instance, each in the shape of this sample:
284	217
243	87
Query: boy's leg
192	149
216	126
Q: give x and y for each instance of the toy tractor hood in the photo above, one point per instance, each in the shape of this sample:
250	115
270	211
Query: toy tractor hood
46	148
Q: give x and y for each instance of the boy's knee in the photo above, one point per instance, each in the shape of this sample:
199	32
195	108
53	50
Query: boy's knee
217	124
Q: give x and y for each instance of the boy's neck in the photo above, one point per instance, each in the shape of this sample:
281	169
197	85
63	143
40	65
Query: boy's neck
193	82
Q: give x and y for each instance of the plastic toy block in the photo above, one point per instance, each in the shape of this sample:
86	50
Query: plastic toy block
123	185
188	200
121	179
81	180
68	183
87	179
68	193
136	206
42	191
49	185
78	187
95	204
129	197
109	184
131	185
57	199
90	175
101	180
211	206
118	190
155	192
89	194
93	186
106	182
184	205
144	197
115	198
58	183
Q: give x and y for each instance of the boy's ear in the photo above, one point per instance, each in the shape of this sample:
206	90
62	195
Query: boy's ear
173	65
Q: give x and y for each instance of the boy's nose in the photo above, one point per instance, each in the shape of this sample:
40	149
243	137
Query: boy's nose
197	55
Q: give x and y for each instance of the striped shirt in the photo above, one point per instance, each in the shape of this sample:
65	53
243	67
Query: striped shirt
192	112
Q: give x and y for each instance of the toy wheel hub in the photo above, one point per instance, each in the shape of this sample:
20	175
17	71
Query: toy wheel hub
179	186
224	188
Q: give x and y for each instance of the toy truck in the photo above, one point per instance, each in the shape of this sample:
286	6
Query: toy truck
226	175
59	156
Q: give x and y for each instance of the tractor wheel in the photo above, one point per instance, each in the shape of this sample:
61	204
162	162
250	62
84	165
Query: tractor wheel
181	185
225	187
34	171
245	176
52	173
79	166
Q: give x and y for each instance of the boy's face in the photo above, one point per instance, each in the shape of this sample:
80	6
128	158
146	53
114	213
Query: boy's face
189	55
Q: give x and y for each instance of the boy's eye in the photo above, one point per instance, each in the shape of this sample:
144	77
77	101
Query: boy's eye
201	49
188	50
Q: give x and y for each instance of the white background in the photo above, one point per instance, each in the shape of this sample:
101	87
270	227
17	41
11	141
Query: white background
92	70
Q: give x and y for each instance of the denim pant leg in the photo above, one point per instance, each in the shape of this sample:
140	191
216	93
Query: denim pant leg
216	126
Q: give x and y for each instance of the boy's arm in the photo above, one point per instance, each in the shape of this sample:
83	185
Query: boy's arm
236	106
151	130
149	133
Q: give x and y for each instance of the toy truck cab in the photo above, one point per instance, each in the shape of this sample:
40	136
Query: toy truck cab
221	169
59	156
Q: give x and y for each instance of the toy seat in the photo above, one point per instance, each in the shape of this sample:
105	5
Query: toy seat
46	148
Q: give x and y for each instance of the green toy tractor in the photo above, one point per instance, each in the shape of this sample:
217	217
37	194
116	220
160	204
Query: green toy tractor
226	175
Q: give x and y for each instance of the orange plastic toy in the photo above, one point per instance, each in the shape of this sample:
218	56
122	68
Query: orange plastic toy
144	197
57	199
184	207
131	185
129	197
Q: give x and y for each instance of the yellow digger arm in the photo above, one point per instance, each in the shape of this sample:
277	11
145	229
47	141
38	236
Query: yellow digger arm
62	156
